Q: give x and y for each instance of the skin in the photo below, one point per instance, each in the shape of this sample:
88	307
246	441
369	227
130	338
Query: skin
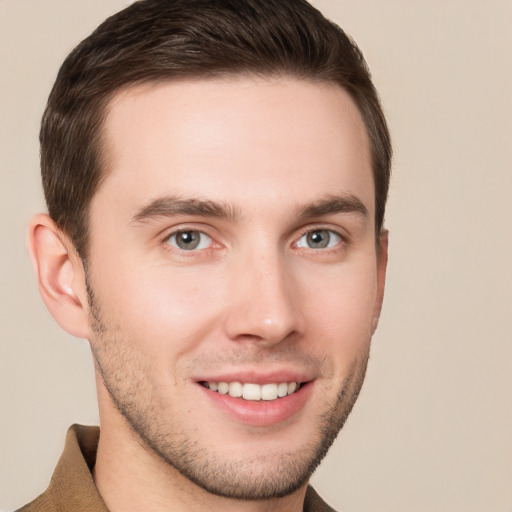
254	301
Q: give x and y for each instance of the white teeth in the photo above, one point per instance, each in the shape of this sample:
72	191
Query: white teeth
282	389
251	392
292	386
235	389
269	391
255	392
223	388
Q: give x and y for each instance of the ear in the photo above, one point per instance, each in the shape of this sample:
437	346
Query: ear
382	263
60	275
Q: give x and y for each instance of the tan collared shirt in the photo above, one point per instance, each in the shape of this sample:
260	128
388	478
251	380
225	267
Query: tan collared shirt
72	487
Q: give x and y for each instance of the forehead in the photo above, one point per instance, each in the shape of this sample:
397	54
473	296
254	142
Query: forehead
240	140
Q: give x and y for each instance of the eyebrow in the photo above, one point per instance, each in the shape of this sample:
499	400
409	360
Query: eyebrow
334	204
170	206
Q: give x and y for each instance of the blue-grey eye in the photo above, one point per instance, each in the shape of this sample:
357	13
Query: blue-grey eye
189	240
319	239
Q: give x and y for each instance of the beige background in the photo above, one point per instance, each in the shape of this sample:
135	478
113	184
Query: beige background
433	428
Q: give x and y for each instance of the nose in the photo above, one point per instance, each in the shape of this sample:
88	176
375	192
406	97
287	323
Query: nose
265	303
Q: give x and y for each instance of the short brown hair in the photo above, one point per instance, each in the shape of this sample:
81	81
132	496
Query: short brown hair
155	40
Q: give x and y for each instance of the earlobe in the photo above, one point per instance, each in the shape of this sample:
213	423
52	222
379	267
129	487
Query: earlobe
382	262
60	275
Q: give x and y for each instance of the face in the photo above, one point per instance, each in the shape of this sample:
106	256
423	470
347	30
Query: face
233	276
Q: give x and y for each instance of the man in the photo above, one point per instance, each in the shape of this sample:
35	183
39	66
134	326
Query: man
216	173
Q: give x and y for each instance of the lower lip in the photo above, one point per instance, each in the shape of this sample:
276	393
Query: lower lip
261	413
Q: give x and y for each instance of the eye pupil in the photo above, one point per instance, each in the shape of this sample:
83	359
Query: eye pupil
187	240
318	239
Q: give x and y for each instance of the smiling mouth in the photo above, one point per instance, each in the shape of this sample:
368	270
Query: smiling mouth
254	392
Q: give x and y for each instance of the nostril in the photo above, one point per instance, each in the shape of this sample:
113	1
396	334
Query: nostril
264	310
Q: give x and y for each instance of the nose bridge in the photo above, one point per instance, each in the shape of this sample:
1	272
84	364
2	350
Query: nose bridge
264	298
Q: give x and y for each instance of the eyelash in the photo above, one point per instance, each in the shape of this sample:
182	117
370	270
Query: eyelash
177	232
341	240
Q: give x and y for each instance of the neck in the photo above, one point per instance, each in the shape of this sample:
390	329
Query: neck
131	477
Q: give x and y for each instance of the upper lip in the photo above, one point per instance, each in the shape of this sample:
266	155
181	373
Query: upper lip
258	377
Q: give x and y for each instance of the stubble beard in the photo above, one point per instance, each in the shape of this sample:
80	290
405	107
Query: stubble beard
246	478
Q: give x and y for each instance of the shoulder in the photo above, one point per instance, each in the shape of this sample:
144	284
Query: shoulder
40	504
314	503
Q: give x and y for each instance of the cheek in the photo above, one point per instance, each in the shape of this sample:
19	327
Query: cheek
341	310
161	308
167	311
